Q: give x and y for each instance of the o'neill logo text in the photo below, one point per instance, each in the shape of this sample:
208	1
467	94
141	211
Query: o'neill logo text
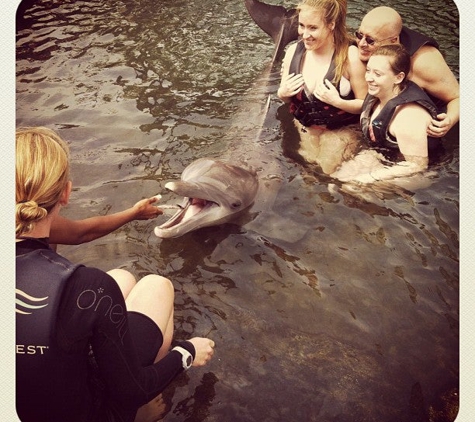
104	304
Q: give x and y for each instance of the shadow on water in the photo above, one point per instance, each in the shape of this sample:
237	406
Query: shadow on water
324	305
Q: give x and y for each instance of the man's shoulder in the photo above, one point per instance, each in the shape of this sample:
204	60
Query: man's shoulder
427	60
353	52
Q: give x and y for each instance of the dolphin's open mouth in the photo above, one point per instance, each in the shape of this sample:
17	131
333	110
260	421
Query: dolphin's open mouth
188	209
214	192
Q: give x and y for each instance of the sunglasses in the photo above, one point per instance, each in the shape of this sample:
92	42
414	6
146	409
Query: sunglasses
369	40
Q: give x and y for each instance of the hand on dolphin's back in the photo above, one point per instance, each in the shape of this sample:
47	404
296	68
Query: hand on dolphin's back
214	192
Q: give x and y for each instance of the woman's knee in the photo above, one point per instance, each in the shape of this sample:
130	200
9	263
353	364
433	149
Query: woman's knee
153	296
120	274
124	279
156	284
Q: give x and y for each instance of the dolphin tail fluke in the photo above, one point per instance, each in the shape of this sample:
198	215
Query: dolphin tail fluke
276	21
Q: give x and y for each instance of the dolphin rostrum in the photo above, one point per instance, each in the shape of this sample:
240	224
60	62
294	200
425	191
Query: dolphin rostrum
214	192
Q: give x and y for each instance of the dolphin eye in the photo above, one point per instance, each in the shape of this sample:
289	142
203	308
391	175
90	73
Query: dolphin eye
236	204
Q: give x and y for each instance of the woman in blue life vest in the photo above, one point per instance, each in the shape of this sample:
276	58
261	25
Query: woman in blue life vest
323	80
394	120
90	346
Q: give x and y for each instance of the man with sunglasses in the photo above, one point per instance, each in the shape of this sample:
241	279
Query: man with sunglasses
383	25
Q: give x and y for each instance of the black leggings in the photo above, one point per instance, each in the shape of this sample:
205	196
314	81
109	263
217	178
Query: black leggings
146	336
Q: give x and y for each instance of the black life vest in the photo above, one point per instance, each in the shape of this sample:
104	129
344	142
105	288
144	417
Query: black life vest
412	40
309	110
45	374
380	124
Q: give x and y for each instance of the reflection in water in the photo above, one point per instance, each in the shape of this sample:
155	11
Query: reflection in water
196	407
325	304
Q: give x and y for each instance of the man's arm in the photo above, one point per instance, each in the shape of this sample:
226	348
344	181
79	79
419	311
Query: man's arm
357	70
431	72
75	232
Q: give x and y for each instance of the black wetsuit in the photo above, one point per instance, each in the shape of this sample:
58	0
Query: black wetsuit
97	363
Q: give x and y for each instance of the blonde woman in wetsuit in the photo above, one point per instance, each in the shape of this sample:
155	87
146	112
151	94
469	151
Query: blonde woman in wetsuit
323	80
90	346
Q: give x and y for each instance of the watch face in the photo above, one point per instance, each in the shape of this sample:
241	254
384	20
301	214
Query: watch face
189	361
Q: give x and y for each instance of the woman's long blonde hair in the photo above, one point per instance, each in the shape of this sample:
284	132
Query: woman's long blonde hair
333	11
42	173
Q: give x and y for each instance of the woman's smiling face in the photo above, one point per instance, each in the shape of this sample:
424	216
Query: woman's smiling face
380	77
313	29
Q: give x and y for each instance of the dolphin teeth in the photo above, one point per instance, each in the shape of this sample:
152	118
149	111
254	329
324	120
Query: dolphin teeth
170	207
189	209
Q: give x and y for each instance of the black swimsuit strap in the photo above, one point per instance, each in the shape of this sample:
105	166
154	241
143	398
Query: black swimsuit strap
44	241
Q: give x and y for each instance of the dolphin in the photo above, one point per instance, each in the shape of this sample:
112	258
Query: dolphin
214	192
279	23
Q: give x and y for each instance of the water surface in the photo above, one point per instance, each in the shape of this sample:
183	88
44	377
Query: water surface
324	306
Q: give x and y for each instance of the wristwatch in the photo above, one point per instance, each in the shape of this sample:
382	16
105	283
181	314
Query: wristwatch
186	357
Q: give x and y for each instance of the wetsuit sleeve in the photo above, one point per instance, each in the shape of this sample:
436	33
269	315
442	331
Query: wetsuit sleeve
93	312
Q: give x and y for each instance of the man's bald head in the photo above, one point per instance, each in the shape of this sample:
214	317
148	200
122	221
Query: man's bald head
381	24
384	19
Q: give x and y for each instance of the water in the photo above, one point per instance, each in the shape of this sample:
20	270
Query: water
324	306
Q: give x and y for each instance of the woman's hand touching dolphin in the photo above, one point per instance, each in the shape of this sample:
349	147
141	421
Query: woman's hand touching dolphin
145	208
74	232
